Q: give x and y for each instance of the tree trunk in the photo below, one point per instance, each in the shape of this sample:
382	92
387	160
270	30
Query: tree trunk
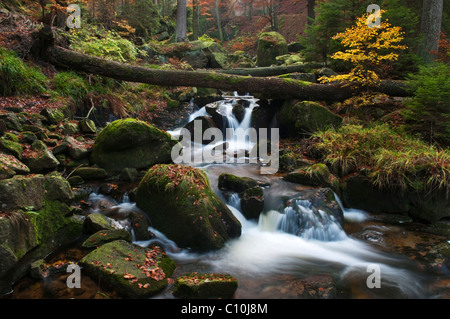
265	87
219	22
195	19
431	28
180	35
273	70
311	13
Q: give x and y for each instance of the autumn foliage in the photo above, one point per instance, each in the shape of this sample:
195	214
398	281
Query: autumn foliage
367	49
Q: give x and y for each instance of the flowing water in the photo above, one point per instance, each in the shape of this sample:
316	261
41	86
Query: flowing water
294	250
277	255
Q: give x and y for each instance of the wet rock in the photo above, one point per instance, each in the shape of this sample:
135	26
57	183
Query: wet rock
252	202
180	203
136	272
139	224
205	286
96	222
202	122
105	236
131	144
249	190
314	214
235	183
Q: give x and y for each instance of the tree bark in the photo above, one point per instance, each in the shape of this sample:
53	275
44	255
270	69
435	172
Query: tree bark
264	87
273	70
181	23
431	28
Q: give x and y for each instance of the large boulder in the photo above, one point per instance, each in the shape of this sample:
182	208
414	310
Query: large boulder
135	271
37	219
305	117
131	143
181	204
270	45
358	191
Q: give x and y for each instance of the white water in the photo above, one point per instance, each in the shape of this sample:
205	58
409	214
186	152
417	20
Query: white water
295	240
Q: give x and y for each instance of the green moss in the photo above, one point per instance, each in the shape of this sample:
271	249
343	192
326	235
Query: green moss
11	147
205	286
50	219
170	193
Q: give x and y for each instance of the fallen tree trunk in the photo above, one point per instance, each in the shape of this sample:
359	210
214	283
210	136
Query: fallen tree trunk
272	70
263	87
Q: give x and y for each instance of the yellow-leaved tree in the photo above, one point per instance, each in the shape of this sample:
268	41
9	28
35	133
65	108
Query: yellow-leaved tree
367	49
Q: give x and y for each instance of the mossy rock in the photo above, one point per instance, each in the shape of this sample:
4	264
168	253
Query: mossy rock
11	147
41	158
12	165
313	175
205	286
305	118
95	222
131	143
105	236
235	183
180	203
134	271
270	45
53	116
89	173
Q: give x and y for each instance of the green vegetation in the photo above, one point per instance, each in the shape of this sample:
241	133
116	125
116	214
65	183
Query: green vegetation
392	159
102	43
70	84
18	78
428	112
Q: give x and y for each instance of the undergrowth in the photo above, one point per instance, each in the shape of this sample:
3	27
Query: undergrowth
393	159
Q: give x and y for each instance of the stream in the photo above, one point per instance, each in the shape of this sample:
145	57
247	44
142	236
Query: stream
273	259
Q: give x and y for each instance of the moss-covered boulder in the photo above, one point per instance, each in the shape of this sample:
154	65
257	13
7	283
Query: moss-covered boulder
305	117
358	191
37	219
270	45
180	203
205	286
134	271
131	143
